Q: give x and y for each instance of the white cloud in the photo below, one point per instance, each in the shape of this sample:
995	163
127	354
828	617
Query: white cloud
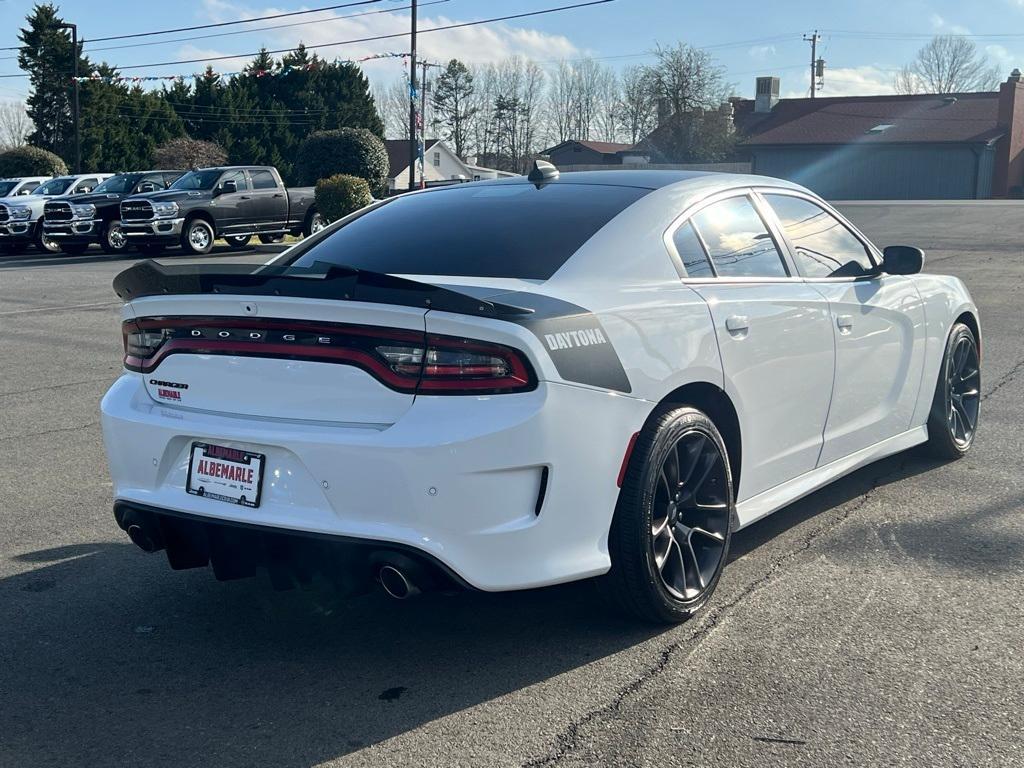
852	81
485	43
941	26
761	52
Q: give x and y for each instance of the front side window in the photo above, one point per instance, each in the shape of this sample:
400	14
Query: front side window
476	230
263	180
737	240
236	176
691	251
6	187
822	246
197	180
53	187
86	185
116	184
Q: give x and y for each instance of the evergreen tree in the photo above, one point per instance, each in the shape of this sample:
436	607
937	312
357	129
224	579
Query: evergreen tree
47	56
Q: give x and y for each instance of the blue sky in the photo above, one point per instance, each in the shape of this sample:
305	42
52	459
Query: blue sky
748	37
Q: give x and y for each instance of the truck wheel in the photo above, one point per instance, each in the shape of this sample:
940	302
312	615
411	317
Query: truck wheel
314	223
268	239
113	238
44	243
238	242
150	249
74	249
197	237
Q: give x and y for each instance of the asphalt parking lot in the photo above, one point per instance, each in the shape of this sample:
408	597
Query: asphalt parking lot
880	621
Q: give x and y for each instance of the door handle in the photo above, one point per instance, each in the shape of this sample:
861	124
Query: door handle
244	197
845	322
737	323
278	194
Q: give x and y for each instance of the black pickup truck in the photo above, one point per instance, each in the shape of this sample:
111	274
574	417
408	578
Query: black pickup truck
95	217
233	203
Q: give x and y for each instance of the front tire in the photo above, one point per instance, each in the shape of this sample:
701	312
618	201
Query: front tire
197	237
956	406
268	239
670	535
44	243
113	239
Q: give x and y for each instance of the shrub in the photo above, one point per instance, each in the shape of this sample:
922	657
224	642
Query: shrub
352	151
184	153
30	161
340	195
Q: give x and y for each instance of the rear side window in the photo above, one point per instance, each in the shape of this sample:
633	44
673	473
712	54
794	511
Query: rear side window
822	246
476	230
738	241
690	250
263	180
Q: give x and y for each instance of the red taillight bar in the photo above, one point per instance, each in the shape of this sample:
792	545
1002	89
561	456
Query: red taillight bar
446	365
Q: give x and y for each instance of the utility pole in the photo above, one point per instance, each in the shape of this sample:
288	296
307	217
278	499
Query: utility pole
813	40
413	133
76	118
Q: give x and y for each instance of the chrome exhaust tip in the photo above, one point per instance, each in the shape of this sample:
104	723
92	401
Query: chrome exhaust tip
397	583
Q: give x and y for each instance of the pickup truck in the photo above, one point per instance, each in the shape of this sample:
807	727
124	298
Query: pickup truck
233	203
95	217
22	185
21	217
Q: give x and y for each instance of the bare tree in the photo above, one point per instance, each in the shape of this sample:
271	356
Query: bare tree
636	104
948	64
686	79
14	125
608	120
561	104
393	105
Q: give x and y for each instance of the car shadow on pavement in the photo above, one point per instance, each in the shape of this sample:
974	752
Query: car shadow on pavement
110	658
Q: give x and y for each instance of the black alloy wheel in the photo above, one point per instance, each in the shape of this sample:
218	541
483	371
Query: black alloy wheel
670	535
956	407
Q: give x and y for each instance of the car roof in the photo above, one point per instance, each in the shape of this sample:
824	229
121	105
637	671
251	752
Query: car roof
643	179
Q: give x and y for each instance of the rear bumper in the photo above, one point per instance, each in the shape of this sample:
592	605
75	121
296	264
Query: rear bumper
157	230
457	479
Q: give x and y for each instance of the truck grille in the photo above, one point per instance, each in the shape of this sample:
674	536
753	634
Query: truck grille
4	213
57	212
136	210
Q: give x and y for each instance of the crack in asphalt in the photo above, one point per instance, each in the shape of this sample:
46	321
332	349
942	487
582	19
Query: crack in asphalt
1005	379
50	432
568	741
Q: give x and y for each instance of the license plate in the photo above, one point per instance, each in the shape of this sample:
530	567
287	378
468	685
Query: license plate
225	474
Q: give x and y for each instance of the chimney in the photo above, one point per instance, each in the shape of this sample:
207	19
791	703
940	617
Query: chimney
767	94
1008	175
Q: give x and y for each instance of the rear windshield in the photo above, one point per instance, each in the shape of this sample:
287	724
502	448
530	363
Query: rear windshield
504	230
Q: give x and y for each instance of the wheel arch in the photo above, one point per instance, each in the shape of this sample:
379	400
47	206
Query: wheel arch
719	407
969	319
199	213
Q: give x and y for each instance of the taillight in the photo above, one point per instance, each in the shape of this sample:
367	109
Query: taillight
403	360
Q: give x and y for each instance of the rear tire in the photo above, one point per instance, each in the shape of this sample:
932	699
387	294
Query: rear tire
670	535
113	238
268	239
236	243
197	237
956	406
313	224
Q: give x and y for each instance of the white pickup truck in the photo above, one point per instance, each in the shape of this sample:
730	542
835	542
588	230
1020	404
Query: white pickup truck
21	216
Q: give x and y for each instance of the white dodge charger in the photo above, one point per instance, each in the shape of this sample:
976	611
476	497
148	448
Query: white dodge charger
504	385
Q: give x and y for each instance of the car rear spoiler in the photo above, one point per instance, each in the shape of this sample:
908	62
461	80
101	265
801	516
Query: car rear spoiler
320	281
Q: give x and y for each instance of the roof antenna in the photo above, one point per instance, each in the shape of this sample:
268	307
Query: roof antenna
542	173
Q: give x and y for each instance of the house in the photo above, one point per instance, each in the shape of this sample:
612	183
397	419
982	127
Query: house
579	152
441	166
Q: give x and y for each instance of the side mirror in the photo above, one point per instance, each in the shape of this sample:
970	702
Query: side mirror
146	186
902	260
228	187
84	190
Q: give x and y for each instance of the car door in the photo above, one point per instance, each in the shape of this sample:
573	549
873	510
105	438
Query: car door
774	335
878	323
270	203
234	210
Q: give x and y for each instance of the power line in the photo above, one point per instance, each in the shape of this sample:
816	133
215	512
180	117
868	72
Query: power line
373	38
193	38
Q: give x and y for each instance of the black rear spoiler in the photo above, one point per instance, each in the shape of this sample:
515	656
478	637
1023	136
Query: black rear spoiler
320	281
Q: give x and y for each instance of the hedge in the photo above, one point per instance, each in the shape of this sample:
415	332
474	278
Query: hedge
30	161
340	195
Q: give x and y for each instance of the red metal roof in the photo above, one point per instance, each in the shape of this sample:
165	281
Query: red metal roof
931	118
